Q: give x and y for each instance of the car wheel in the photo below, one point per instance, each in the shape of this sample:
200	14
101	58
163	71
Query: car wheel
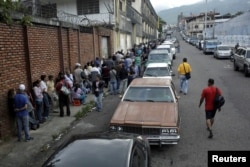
236	68
246	72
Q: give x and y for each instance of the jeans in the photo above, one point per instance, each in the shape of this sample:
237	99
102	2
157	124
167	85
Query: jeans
45	105
123	86
39	110
98	102
83	99
183	84
23	123
113	87
138	70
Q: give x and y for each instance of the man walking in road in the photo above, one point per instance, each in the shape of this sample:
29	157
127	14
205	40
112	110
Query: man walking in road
184	68
208	94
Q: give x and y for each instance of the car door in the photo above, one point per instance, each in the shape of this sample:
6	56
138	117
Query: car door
237	56
242	57
138	157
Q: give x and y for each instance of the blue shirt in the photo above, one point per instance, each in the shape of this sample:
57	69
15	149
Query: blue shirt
20	100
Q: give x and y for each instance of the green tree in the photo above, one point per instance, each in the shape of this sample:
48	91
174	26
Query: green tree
9	6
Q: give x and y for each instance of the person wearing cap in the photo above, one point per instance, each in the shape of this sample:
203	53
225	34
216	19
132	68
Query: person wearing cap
22	115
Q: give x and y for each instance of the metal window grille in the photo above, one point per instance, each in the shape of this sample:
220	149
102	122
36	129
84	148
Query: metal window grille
87	7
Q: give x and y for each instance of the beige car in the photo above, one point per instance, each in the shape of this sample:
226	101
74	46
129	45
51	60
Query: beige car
149	107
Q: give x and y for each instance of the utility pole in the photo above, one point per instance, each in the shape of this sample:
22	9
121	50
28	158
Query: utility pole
205	22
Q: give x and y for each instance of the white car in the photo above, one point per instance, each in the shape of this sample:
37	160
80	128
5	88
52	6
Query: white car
173	50
158	70
168	48
159	56
222	51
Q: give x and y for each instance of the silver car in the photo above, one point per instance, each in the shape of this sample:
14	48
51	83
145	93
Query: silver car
222	51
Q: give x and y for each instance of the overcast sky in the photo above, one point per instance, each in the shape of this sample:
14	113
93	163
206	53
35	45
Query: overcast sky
166	4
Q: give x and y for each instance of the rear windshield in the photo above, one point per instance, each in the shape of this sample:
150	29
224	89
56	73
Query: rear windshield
157	71
224	48
158	57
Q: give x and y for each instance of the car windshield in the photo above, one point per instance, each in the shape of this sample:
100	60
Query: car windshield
157	71
248	54
158	57
223	48
149	94
211	43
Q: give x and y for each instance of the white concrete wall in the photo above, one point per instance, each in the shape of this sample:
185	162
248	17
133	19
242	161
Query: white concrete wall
137	5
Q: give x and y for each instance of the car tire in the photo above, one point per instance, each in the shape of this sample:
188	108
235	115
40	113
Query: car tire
246	72
236	68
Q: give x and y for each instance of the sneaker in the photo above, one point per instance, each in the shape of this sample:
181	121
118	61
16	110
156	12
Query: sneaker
30	138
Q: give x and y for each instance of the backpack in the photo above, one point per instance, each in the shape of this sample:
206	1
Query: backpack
219	100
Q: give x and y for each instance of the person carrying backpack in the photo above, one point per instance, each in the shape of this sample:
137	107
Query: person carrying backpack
209	94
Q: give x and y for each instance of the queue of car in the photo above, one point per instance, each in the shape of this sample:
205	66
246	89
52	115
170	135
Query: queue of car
240	56
149	106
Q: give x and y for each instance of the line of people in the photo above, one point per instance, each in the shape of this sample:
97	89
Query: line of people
114	73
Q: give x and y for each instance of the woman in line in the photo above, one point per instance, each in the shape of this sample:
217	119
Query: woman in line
77	93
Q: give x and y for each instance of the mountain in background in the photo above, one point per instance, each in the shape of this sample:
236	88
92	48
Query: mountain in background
219	6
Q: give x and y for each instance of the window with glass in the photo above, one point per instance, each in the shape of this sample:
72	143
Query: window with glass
157	71
248	54
149	94
87	7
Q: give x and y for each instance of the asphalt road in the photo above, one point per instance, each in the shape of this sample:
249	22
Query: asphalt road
232	124
231	128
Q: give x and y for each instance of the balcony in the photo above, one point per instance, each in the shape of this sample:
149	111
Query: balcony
133	15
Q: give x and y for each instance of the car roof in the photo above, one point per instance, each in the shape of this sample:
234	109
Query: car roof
141	82
163	46
157	65
167	42
156	51
94	151
223	45
244	47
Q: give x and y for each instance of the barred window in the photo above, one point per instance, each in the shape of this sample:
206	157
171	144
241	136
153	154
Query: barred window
87	7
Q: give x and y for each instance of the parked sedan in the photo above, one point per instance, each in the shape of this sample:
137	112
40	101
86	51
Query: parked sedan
159	56
222	51
149	107
158	70
102	149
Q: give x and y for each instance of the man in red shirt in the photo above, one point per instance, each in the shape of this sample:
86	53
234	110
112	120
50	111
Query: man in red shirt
208	94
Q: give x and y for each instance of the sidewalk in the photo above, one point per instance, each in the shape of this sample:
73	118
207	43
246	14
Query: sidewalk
14	153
